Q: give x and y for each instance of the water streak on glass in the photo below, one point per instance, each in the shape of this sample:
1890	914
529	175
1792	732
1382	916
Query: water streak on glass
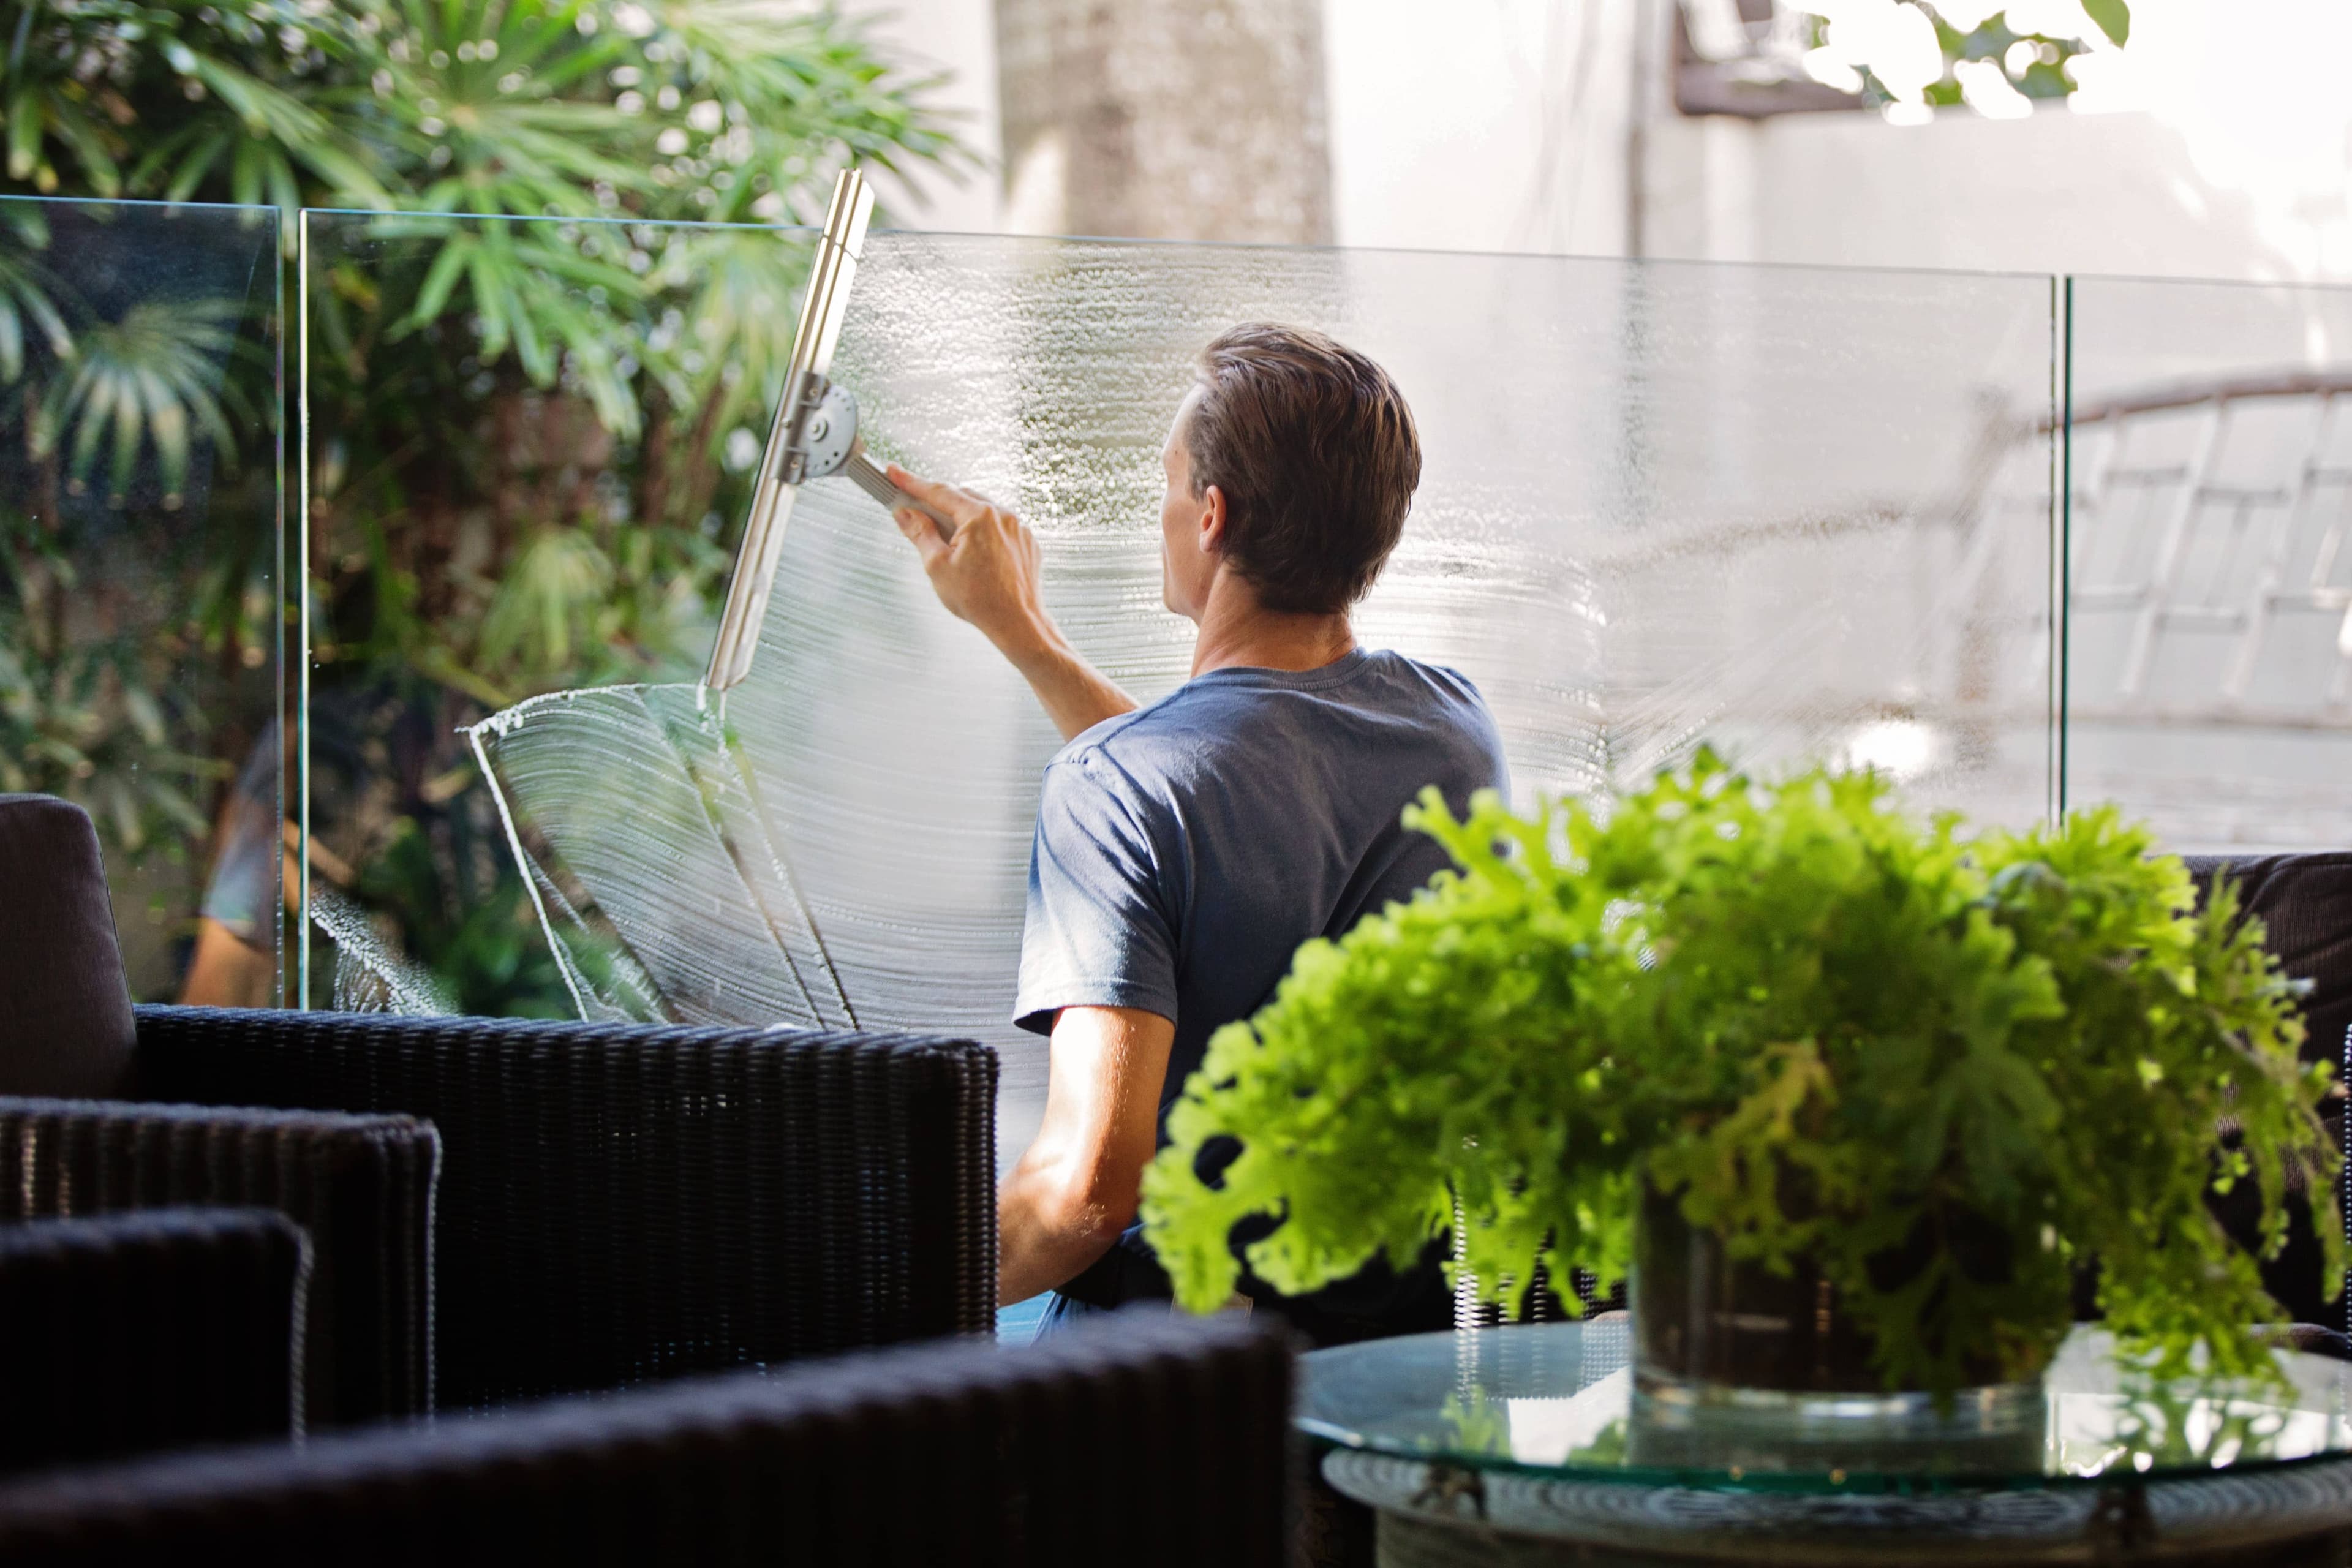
369	976
1796	513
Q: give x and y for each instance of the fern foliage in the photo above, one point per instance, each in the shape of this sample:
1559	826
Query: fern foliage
1945	1066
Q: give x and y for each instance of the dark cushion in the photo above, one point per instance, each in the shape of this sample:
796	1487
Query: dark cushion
2306	901
65	1012
362	1188
132	1332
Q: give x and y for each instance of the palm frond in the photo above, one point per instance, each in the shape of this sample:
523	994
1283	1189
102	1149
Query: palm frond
147	379
26	289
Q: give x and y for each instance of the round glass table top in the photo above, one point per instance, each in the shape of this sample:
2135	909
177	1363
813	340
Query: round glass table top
1559	1400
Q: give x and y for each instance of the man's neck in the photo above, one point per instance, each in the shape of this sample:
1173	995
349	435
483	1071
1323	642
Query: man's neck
1237	633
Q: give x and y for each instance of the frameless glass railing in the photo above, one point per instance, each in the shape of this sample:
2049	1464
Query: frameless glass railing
141	630
1792	512
2208	677
526	445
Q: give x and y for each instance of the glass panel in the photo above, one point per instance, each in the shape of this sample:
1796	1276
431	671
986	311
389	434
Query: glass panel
524	442
1794	513
141	627
2209	663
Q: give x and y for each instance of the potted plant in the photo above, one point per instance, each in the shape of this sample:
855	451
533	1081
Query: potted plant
1871	1087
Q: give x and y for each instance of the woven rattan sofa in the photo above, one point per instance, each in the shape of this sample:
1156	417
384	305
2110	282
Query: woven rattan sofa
1143	1439
135	1332
499	1209
620	1203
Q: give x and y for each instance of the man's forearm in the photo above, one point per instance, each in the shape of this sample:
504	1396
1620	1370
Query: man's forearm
1075	1186
1076	696
1041	1241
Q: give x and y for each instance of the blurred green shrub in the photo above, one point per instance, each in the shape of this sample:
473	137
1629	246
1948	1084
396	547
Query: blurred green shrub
519	477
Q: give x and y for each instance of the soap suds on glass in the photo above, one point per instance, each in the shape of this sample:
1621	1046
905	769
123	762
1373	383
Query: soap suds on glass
1773	509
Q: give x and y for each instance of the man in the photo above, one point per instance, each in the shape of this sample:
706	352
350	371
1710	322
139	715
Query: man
1184	850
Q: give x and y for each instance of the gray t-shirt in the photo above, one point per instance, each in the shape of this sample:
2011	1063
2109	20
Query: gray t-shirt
1184	850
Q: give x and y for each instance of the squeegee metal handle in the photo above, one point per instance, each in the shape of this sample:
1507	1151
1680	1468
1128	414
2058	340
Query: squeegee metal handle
867	475
831	272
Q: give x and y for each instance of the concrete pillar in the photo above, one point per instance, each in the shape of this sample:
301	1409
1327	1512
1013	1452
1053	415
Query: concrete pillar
1142	118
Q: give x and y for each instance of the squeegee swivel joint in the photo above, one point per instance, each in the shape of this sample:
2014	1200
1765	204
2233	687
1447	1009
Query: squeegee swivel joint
785	463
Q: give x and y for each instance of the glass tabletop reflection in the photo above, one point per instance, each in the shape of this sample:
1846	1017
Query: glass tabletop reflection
1559	1400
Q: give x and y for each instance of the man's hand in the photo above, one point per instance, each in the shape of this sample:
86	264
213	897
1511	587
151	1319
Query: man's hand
988	575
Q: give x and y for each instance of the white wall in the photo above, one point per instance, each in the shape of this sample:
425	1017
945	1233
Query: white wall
1480	125
2057	193
2219	143
1503	124
955	38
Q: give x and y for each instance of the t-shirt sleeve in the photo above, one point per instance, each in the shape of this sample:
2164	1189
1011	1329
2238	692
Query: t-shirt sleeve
1099	933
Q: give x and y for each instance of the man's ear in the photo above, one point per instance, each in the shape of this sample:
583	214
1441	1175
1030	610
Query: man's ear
1212	521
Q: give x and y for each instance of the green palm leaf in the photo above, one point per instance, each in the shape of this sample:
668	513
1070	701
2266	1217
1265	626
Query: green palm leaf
24	296
148	380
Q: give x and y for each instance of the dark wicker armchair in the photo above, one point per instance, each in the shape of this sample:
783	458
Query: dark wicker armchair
614	1202
620	1203
1145	1440
362	1188
142	1332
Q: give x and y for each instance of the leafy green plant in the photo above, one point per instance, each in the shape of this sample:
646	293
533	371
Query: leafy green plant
1829	1031
149	380
717	109
135	616
520	479
93	717
2034	62
25	289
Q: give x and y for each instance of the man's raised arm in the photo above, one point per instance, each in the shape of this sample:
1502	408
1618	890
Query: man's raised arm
988	574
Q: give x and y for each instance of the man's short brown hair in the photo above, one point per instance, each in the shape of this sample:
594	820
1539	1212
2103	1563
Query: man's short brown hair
1315	452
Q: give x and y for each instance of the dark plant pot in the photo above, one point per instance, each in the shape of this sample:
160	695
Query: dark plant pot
1736	1365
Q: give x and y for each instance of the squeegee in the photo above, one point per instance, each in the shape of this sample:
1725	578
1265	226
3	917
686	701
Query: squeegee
814	434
